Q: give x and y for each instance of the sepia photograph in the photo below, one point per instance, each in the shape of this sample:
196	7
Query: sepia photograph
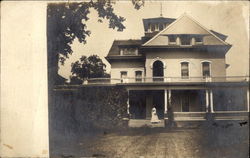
128	79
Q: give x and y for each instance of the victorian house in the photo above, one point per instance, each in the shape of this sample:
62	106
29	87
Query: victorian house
178	66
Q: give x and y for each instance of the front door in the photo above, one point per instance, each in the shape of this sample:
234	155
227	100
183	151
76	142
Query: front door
158	103
185	103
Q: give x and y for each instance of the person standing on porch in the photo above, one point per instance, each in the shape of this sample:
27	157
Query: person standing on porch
154	116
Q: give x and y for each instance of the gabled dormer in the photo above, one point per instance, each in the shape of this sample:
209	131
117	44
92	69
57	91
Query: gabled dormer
186	32
124	50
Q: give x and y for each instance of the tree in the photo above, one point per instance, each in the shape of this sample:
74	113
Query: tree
66	22
74	80
88	67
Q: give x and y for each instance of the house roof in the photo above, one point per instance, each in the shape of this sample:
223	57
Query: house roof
187	25
175	27
114	50
220	35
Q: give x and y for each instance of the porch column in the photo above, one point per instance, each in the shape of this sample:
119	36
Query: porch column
207	100
165	101
211	101
149	105
248	99
169	97
128	104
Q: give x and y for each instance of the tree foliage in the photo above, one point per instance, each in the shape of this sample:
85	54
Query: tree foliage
66	22
88	67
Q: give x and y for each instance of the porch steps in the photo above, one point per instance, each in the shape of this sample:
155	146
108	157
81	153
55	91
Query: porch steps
190	119
144	123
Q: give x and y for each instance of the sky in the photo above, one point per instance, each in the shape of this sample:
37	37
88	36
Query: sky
228	18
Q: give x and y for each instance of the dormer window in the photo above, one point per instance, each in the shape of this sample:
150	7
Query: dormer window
185	40
165	25
128	51
161	27
157	27
172	39
152	26
149	27
198	40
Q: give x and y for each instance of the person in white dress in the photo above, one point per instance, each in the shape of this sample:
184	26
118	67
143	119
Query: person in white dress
154	116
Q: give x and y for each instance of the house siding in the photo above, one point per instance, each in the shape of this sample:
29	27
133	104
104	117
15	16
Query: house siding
172	62
129	66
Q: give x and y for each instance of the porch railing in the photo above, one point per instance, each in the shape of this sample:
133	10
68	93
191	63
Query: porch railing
166	79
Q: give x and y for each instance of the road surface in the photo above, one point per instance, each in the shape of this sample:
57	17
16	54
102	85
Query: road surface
218	142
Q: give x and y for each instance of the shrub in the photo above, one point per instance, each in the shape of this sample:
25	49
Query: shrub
88	108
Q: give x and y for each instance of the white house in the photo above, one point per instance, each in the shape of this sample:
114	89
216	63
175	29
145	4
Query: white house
178	65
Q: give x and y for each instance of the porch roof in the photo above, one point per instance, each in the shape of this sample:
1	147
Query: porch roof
159	85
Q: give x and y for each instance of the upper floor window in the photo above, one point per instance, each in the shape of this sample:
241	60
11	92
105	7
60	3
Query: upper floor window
149	27
184	70
206	69
172	39
161	26
198	40
185	39
128	51
138	76
152	27
124	74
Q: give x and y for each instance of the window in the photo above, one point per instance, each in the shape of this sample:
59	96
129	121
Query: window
206	69
185	40
128	51
161	27
184	70
198	40
172	39
165	25
121	51
152	27
124	74
138	76
149	27
157	27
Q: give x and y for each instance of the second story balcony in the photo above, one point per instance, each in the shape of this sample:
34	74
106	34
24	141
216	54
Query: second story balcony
136	80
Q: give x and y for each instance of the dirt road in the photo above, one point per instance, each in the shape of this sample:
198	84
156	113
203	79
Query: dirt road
228	142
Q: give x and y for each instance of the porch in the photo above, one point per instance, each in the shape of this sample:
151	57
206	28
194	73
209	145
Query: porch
191	119
187	106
